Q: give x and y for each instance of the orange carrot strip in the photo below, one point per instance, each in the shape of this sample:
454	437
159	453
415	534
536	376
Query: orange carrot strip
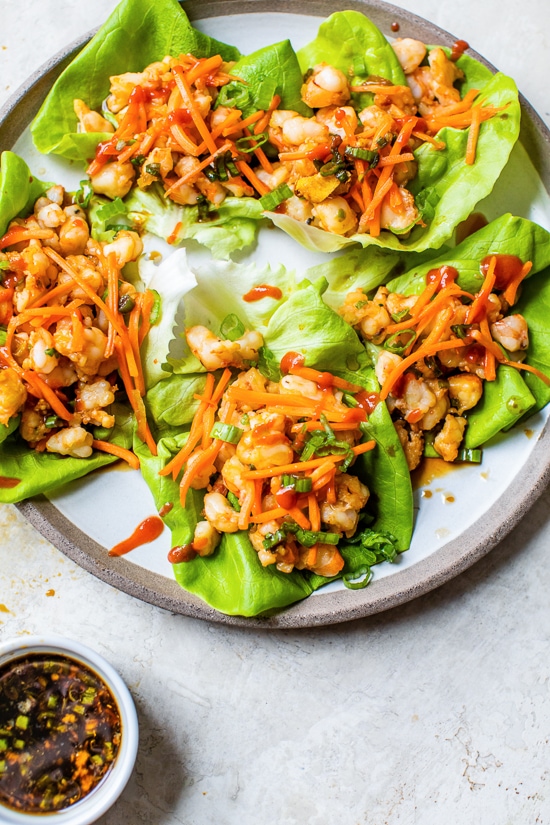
309	426
479	305
473	135
193	173
511	290
135	399
112	302
262	124
187	97
437	144
56	292
47	394
391	160
120	452
203	66
269	515
206	458
300	518
221	385
314	512
327	466
489	364
176	463
421	352
209	416
246	503
183	140
528	368
324	480
251	176
257	503
16	234
147	304
239	125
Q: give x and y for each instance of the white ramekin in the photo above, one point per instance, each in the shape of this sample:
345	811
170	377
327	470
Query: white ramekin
91	807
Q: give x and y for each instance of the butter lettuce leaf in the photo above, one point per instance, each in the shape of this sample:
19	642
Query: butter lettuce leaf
18	189
137	33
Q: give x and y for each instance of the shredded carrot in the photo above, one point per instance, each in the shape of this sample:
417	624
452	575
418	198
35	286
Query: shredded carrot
203	66
391	160
175	465
510	292
251	176
44	391
519	366
187	96
324	379
489	364
479	305
262	124
473	136
147	304
269	515
205	459
119	452
314	512
421	352
16	234
188	177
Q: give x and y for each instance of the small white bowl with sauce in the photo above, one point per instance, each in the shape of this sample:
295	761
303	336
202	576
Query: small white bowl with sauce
76	683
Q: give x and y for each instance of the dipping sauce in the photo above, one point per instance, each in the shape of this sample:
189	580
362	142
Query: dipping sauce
60	732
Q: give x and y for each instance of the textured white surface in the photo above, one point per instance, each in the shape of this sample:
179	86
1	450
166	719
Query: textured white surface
435	712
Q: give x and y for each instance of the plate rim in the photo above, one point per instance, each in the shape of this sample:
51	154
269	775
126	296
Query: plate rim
445	563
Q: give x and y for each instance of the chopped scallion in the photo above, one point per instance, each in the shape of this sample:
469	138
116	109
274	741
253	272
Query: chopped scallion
226	432
232	327
270	201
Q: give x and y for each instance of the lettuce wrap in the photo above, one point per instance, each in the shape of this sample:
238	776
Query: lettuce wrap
233	580
446	189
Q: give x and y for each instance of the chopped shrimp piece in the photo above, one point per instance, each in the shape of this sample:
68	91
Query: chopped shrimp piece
412	441
74	232
447	442
371	316
114	179
351	497
206	538
213	353
289	130
433	85
386	363
220	513
512	332
73	441
328	560
335	215
90	121
399	217
337	118
465	391
410	53
325	86
12	394
127	247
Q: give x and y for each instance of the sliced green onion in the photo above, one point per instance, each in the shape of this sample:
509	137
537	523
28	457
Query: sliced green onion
203	208
51	351
310	537
221	168
155	314
460	330
371	157
137	161
288	481
111	209
4	264
473	456
342	175
53	421
331	168
83	195
231	168
125	304
353	581
250	142
22	722
391	344
153	169
303	485
210	173
429	449
272	539
399	316
232	327
277	196
234	501
226	432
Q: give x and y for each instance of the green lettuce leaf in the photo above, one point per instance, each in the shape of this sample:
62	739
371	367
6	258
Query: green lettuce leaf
503	403
18	189
231	226
45	472
273	70
446	189
534	305
137	33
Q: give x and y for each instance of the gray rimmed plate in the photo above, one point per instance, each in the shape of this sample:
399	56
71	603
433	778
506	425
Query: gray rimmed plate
460	516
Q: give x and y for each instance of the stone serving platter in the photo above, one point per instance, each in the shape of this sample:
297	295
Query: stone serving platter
460	515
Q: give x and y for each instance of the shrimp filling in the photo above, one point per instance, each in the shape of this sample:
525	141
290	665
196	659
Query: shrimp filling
275	458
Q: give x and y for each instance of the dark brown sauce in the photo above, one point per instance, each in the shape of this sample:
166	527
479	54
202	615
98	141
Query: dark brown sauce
148	530
165	509
430	469
7	483
472	224
395	27
60	732
262	291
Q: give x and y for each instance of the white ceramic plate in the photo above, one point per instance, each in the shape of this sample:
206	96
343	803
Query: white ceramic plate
460	515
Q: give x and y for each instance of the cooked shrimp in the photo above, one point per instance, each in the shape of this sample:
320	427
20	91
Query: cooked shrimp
433	85
448	440
512	332
42	356
287	129
220	513
371	316
12	394
386	363
412	441
335	215
265	445
88	273
205	539
465	391
410	53
114	179
127	247
90	121
74	232
351	497
91	400
400	216
339	120
73	441
86	358
32	427
279	174
213	353
325	86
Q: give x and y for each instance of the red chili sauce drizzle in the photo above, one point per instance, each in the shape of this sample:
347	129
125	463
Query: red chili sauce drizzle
448	276
507	268
290	360
60	732
148	530
7	483
458	49
262	291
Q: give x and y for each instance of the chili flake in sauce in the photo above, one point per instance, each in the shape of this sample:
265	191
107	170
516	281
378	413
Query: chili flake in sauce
60	732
